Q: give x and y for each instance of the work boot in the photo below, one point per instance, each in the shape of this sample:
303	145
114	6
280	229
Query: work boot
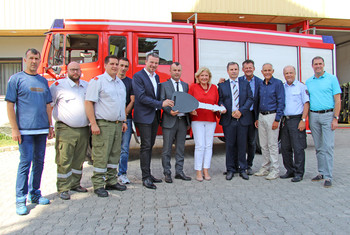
21	208
36	197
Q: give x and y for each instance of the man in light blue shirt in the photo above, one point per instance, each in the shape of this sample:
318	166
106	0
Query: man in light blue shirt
324	93
293	134
29	111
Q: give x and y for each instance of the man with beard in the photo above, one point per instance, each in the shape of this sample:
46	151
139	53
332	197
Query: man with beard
72	132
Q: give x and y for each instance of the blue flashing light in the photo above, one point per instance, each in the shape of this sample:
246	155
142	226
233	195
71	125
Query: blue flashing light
58	24
327	39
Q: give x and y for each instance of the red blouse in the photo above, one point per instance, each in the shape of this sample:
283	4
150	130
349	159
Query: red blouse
210	97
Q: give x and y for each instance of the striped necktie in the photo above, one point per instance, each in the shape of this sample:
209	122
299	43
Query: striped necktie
235	95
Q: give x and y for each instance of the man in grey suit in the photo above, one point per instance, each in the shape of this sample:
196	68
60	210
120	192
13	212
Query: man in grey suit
174	125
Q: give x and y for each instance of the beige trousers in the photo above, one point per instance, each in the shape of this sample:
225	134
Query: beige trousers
268	142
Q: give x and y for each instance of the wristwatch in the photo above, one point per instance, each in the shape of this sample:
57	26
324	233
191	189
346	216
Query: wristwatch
303	119
336	117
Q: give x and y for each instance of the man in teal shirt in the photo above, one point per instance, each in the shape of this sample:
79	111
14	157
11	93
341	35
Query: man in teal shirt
324	91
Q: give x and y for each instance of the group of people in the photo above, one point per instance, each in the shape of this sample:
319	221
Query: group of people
104	106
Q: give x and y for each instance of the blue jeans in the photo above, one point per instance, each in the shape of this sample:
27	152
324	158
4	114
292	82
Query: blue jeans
124	155
32	153
323	135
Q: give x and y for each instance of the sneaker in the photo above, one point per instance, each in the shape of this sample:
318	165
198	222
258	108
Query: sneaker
327	183
272	176
123	179
317	178
21	208
37	198
262	172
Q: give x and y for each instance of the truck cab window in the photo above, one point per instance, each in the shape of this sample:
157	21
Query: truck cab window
56	51
117	46
81	48
162	46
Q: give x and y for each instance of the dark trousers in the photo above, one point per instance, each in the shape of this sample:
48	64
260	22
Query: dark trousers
293	140
178	133
236	142
251	144
148	133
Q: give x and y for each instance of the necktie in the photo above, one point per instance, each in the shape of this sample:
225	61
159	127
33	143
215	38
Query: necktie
177	86
235	95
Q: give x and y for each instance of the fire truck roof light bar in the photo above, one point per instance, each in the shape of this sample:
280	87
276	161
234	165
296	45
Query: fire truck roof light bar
58	24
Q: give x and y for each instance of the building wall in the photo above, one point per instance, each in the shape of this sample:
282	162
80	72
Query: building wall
39	14
16	46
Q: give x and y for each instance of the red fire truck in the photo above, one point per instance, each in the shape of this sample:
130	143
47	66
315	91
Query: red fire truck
193	45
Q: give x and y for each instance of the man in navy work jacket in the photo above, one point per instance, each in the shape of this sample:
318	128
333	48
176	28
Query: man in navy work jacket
236	95
271	106
147	113
248	69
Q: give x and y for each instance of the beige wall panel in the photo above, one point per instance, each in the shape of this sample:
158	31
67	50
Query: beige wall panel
16	46
305	8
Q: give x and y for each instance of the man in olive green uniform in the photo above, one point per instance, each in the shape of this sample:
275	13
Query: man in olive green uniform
72	130
105	108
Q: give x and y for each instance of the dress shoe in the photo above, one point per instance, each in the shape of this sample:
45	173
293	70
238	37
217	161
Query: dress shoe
182	176
155	180
244	175
297	178
64	195
317	178
327	184
116	186
101	192
168	179
149	184
79	189
229	175
249	171
287	175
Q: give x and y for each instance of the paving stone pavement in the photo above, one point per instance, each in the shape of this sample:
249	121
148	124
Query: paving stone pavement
257	206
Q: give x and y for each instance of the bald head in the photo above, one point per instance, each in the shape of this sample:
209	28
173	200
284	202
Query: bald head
74	72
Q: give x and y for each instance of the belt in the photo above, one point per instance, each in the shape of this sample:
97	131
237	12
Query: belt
322	111
103	120
292	116
180	117
268	112
62	123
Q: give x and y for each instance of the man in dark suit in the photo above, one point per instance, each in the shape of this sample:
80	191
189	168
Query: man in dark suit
236	95
147	113
248	69
174	125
